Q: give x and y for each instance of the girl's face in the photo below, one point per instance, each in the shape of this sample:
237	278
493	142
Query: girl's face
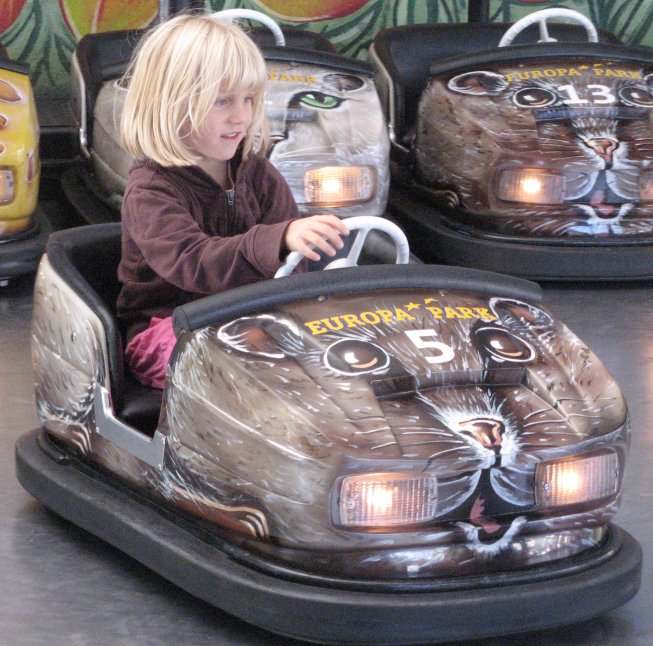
225	126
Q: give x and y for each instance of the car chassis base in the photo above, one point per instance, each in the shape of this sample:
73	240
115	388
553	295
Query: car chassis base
501	603
22	255
434	241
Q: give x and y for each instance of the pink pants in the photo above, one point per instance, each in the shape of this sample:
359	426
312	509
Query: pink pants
148	353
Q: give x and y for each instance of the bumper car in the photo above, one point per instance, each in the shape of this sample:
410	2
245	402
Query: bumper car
532	158
329	139
378	454
23	227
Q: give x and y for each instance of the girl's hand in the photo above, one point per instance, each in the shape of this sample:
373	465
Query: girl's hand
324	232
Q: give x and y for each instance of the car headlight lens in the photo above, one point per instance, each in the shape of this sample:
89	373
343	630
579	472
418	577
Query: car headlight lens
337	185
576	480
6	185
387	499
534	186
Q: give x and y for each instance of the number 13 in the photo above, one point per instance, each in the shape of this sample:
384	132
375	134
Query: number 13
600	94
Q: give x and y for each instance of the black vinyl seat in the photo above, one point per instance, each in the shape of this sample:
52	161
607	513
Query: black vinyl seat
86	258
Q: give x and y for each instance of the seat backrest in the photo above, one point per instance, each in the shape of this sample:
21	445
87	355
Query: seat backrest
86	258
295	37
104	56
407	51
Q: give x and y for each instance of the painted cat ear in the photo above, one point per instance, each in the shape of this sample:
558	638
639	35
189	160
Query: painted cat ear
343	82
265	335
479	83
516	315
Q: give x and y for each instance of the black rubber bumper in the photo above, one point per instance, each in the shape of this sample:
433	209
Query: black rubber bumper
499	604
433	241
22	256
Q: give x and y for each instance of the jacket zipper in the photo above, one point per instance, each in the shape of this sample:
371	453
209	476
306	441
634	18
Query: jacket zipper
231	198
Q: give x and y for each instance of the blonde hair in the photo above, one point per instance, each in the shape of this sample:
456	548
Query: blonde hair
177	71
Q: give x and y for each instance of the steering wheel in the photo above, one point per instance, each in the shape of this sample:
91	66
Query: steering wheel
541	17
363	224
250	14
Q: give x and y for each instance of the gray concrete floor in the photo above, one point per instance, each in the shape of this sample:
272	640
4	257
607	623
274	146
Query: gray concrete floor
60	585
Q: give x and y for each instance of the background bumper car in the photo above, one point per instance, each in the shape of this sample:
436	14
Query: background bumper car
532	158
329	139
380	454
23	227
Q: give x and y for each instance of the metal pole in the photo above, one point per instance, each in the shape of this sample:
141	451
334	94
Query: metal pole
168	8
478	11
164	10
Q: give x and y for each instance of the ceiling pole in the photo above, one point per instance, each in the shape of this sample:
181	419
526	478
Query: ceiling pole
164	10
478	11
168	8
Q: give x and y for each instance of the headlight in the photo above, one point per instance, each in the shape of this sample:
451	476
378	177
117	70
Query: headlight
576	480
534	186
382	500
6	185
337	185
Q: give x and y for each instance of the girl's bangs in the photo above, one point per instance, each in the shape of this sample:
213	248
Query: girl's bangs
243	68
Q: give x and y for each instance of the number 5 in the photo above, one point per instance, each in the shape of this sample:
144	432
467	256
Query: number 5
418	339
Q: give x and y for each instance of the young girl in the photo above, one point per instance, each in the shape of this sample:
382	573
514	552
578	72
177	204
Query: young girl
203	211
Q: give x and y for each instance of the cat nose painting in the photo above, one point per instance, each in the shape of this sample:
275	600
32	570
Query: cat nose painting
369	426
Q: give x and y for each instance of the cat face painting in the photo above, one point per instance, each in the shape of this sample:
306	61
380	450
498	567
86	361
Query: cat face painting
560	149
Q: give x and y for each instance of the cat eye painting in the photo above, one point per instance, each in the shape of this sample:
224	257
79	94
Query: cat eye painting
397	454
529	158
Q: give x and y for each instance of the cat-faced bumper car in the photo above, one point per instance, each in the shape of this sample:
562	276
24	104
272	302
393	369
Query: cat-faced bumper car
524	157
328	133
23	227
378	454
